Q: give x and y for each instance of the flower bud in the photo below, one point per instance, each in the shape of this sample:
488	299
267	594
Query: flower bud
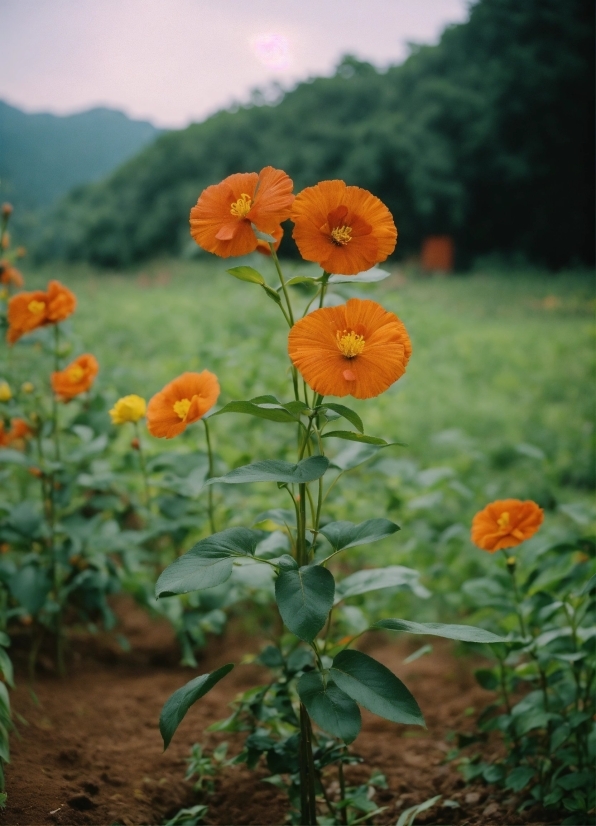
135	444
27	387
6	210
5	392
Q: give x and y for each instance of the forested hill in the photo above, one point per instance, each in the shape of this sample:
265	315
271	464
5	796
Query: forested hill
487	136
43	156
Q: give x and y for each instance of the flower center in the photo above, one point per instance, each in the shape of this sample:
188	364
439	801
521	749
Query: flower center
503	521
350	344
36	307
340	236
242	206
75	374
182	407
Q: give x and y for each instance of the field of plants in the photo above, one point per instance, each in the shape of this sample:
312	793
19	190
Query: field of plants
496	404
297	522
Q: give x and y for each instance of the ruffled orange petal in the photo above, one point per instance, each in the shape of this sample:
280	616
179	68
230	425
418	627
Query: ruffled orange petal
314	350
201	390
213	211
61	302
75	379
506	523
273	200
26	312
329	205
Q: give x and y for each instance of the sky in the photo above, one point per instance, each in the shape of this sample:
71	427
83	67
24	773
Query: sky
177	61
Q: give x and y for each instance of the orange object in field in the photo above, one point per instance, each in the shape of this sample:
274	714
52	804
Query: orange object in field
437	253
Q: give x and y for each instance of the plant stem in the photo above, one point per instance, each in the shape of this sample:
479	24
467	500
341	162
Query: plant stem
282	282
323	288
309	817
211	466
143	466
55	431
342	793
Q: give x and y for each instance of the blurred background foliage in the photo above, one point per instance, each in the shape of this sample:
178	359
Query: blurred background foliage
487	137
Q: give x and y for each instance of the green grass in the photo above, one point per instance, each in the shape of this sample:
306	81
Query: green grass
498	399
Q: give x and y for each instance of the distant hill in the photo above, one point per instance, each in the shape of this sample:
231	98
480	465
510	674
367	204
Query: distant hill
487	136
43	156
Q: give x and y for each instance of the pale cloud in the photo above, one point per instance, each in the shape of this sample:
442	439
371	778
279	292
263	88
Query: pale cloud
175	61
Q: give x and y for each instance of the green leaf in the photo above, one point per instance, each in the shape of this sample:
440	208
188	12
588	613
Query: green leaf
373	686
273	412
350	436
273	294
353	455
208	563
519	778
466	633
341	535
304	598
394	576
303	279
346	413
366	277
14	457
247	274
273	470
408	816
6	668
330	708
30	587
177	705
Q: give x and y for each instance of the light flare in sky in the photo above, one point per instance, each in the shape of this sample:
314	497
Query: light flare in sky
272	50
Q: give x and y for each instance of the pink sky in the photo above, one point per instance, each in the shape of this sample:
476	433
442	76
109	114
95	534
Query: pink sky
176	61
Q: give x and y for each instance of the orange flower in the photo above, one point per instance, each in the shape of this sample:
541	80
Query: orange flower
357	349
181	402
221	220
10	274
61	302
75	379
505	524
345	229
30	310
19	430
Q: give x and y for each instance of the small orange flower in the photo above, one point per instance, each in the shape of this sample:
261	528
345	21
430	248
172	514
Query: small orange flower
183	401
75	379
10	274
505	524
30	310
357	349
61	302
345	229
221	220
19	431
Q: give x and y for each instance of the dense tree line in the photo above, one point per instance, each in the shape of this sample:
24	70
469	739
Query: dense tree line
487	136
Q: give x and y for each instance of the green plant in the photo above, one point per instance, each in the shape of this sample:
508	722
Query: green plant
543	677
319	677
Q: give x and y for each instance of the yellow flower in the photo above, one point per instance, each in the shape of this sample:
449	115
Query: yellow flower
128	409
27	387
5	392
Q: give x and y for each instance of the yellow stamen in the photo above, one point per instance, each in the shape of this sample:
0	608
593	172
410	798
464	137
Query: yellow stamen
75	374
503	521
36	307
182	407
350	344
242	206
341	236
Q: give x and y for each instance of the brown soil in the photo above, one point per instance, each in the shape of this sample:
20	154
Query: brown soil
88	749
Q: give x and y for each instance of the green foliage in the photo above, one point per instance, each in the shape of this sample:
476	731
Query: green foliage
43	155
543	678
304	598
487	136
181	700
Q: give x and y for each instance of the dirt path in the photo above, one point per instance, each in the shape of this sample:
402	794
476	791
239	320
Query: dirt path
90	751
